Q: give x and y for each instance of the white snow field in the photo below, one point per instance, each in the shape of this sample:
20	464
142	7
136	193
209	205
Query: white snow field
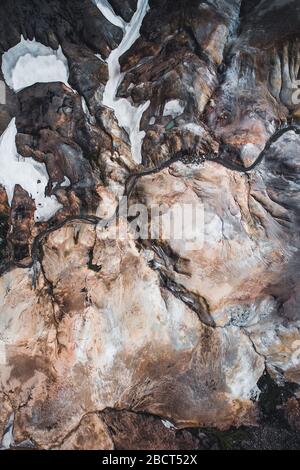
8	437
109	13
26	172
173	108
31	62
23	65
128	116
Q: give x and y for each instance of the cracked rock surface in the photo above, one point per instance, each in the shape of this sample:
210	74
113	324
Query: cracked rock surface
138	342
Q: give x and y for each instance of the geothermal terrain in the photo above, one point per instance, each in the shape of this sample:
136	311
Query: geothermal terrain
115	332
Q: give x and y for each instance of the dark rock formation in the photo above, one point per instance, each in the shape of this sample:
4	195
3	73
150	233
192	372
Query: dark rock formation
22	223
53	23
124	8
137	431
4	225
52	128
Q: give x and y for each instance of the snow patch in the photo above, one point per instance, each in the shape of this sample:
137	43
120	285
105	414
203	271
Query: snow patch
99	56
109	13
66	183
30	175
173	108
91	119
194	128
31	62
128	116
8	438
167	424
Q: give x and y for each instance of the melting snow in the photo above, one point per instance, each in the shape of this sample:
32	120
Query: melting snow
173	108
194	128
26	172
167	424
31	62
100	57
8	438
128	116
66	183
86	111
109	13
